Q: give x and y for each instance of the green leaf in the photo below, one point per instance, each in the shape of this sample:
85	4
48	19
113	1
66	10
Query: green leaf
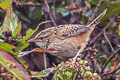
7	47
55	77
74	76
13	66
94	2
22	46
17	30
111	63
61	9
22	42
60	73
10	21
113	9
5	4
29	33
36	11
112	12
14	78
39	74
43	73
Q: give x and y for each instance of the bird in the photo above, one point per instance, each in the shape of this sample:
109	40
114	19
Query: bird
67	39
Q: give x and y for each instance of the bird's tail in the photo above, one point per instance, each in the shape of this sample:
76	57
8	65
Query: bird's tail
97	20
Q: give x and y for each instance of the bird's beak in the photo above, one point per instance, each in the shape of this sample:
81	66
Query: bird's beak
31	40
43	50
36	50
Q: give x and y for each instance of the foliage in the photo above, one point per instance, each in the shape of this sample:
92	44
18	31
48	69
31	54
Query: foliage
5	4
69	71
8	58
12	65
75	71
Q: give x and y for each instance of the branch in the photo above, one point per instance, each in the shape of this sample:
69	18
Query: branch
96	37
23	3
78	53
46	11
111	72
45	60
104	33
96	10
109	59
96	65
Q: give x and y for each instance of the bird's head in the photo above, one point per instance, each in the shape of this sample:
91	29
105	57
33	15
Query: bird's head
42	38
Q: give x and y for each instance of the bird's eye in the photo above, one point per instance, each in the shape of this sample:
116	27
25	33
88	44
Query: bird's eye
41	38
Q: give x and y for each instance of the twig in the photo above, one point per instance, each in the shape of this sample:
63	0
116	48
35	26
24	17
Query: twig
96	10
111	72
96	65
45	60
96	37
115	70
46	10
109	59
78	53
23	3
43	22
104	33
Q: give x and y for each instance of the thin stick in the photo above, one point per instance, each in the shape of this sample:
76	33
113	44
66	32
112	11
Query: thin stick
95	38
46	11
104	33
45	60
78	53
104	74
23	3
44	22
96	10
109	59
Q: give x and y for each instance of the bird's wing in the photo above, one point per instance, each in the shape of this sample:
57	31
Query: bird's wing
62	31
65	31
